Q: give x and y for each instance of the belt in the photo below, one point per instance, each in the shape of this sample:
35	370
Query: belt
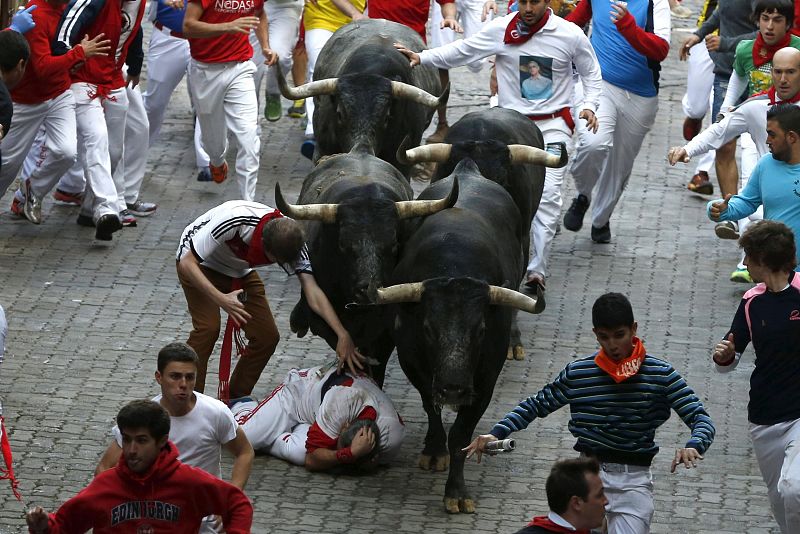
564	113
163	29
609	467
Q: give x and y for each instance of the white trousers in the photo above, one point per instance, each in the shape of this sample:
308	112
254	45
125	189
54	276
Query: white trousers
629	489
468	13
167	60
284	23
59	144
543	229
224	94
603	161
315	40
130	171
777	449
697	99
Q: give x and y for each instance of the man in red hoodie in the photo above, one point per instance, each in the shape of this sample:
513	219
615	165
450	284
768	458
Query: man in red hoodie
147	490
44	98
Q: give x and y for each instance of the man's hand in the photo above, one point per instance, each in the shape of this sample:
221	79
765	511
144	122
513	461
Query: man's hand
348	355
270	56
131	81
677	154
452	24
712	42
242	25
95	47
718	208
363	443
724	351
359	16
690	41
37	520
618	10
230	303
687	457
490	6
590	118
478	446
410	54
22	21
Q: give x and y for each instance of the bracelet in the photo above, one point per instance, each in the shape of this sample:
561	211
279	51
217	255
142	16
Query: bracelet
345	456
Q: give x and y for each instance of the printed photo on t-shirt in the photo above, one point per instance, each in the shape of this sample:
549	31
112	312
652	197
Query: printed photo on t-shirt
536	77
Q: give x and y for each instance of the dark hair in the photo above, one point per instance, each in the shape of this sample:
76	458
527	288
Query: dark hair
144	414
346	437
782	7
176	352
787	116
568	478
283	238
612	310
13	48
771	244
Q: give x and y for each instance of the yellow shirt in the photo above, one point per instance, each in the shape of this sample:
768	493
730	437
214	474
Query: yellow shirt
326	16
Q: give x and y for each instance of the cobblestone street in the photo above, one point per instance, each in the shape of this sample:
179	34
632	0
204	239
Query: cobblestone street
87	319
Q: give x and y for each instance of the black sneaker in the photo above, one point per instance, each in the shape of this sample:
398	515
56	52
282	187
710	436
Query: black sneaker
85	220
573	218
106	225
602	234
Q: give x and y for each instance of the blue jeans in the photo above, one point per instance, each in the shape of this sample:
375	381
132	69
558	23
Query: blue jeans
720	88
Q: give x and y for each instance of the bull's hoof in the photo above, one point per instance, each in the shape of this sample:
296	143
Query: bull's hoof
434	463
301	332
519	352
456	506
510	353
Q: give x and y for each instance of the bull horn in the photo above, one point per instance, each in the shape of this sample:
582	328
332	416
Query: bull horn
501	296
325	213
420	208
537	156
411	292
318	87
436	152
415	94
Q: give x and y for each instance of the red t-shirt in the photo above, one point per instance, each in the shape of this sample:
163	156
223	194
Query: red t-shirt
229	46
411	13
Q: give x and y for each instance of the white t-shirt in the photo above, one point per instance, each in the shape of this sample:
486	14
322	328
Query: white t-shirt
200	434
220	239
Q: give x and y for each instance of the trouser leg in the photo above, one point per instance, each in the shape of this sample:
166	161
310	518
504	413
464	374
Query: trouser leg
630	505
315	40
776	450
592	152
241	116
115	108
134	157
60	142
284	20
167	59
16	145
699	82
291	446
208	84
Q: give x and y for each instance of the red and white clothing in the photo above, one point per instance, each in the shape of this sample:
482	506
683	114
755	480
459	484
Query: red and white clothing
170	498
309	409
411	13
228	47
469	14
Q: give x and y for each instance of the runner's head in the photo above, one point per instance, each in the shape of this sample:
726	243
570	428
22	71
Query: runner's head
769	247
774	19
283	239
144	426
14	54
614	325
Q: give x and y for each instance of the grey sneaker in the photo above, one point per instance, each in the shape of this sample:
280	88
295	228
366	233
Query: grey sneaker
33	205
727	230
140	208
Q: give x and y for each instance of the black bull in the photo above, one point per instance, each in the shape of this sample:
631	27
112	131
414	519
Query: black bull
354	204
365	93
454	310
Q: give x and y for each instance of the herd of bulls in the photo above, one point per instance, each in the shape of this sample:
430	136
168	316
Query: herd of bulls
435	277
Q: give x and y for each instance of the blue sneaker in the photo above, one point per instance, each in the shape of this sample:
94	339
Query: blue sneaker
204	175
307	148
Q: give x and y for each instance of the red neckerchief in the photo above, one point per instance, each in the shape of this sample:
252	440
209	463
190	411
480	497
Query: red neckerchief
517	32
773	97
255	252
762	52
626	368
545	523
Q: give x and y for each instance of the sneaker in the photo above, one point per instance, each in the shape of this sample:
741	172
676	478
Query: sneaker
727	230
106	225
204	175
127	219
573	218
17	207
140	208
700	184
741	276
64	198
439	135
691	127
307	148
272	107
219	174
602	234
85	220
33	204
298	109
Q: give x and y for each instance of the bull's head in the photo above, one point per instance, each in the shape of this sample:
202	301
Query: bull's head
455	315
367	233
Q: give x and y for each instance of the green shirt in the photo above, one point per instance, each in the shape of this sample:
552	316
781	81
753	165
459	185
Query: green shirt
758	79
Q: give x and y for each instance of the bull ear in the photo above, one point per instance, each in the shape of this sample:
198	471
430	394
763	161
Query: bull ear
501	296
555	156
420	208
325	213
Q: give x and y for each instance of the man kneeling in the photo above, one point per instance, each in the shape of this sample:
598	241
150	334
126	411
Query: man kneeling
322	420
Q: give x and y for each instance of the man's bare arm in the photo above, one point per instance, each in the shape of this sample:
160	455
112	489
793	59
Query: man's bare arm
109	459
243	458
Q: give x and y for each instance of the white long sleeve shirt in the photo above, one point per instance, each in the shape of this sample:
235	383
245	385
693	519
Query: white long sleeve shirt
750	117
553	50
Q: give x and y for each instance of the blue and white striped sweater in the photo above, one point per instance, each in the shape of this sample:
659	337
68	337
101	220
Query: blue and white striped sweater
616	420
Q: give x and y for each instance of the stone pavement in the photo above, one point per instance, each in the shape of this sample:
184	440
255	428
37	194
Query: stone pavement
86	320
